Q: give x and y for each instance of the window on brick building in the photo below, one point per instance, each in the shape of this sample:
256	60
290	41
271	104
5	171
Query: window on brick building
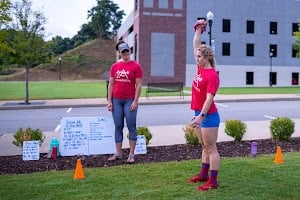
135	47
163	4
148	3
178	4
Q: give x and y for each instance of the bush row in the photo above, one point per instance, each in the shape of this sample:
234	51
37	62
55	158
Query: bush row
281	128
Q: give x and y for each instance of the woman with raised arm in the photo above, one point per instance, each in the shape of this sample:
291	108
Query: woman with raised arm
206	120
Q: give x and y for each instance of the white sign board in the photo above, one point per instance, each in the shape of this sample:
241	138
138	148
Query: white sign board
140	147
86	136
31	150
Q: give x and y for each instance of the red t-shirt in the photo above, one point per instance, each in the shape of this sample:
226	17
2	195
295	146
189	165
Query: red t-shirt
124	74
205	81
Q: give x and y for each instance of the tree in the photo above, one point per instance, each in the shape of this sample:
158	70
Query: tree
85	34
4	18
296	46
58	45
28	43
105	18
4	12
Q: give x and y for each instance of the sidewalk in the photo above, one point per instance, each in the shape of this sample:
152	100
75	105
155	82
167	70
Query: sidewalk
220	98
162	135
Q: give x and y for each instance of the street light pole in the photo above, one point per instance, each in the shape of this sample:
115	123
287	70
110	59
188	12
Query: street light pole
270	76
210	18
59	75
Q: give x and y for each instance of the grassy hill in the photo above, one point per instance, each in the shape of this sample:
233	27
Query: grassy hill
90	61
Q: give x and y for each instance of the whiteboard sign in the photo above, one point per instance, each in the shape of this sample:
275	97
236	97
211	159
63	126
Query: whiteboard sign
140	147
31	150
86	136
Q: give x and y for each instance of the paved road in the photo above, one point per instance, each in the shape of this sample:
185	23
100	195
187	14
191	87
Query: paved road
48	119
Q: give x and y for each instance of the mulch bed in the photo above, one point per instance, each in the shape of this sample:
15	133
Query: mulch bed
15	164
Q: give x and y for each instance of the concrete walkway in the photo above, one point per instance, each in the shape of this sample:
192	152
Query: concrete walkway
162	135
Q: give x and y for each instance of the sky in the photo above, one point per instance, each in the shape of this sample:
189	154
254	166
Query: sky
65	17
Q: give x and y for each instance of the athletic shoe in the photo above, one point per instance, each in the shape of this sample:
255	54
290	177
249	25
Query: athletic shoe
198	178
208	185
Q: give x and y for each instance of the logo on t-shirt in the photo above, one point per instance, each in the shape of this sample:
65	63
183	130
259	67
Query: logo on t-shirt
197	80
122	75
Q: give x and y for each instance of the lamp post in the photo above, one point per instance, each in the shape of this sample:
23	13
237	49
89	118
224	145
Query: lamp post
59	75
270	76
210	18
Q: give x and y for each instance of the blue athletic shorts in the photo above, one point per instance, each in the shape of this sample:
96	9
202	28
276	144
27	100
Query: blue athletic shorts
210	120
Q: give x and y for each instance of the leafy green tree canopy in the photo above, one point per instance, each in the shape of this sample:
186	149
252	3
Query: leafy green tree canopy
4	11
105	18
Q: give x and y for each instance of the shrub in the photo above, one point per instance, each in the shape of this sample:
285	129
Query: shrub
235	129
190	135
28	135
144	131
282	128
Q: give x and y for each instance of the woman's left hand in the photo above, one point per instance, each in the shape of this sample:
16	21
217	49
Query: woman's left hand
196	122
133	106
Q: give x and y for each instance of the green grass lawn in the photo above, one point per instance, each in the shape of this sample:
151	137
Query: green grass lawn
240	178
72	90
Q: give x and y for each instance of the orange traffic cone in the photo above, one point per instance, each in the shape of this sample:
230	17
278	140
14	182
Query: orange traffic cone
79	170
278	157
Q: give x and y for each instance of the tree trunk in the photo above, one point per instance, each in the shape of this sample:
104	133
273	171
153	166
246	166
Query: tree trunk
26	84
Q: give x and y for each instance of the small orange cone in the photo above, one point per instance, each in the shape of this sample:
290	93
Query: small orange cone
278	157
79	170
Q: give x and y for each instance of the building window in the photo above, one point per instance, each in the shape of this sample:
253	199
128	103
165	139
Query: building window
135	47
295	28
295	78
249	78
226	25
136	4
148	3
163	4
250	26
226	49
273	78
178	4
273	28
294	53
250	50
273	50
130	30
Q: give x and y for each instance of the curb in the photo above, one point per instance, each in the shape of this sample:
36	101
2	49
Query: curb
21	106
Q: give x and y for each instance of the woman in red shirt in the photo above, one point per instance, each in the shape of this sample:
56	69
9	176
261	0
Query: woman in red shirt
206	121
124	90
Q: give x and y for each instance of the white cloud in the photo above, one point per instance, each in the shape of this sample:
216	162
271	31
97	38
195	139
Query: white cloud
65	17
